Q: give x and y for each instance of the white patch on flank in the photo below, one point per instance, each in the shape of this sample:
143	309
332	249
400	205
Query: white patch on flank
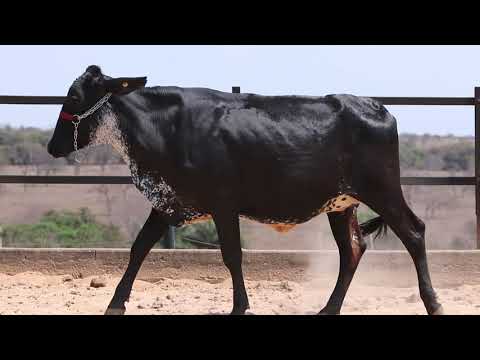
339	203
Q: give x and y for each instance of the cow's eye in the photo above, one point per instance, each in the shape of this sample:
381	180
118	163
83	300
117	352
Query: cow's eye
74	98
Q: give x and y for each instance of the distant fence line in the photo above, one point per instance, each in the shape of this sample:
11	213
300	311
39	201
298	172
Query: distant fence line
170	242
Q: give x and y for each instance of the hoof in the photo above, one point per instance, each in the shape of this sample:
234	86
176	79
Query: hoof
325	311
240	310
439	311
112	311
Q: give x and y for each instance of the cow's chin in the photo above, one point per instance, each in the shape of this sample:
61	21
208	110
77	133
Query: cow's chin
58	153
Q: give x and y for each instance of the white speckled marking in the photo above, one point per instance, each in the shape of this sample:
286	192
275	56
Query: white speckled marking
339	203
107	132
160	194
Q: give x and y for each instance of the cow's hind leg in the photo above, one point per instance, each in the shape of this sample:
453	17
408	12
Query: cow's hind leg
153	229
351	247
228	229
395	212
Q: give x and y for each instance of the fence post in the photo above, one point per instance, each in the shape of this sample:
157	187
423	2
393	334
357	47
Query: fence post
170	238
477	165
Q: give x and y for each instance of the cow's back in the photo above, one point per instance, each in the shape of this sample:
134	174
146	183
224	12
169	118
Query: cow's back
274	151
280	155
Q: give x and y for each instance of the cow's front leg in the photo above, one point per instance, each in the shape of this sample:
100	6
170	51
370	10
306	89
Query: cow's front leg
228	230
153	229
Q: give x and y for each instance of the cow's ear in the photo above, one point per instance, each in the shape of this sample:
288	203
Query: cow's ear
124	85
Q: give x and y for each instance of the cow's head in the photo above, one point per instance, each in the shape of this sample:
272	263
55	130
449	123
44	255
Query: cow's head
85	92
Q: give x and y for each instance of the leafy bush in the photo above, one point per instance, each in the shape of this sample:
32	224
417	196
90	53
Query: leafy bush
411	157
63	229
365	214
199	236
459	157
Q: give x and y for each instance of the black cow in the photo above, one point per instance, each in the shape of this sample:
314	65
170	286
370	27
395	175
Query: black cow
197	153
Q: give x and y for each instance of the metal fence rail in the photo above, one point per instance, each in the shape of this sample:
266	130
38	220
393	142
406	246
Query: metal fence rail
123	180
405	101
414	101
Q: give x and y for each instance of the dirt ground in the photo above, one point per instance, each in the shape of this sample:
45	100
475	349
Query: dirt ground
36	293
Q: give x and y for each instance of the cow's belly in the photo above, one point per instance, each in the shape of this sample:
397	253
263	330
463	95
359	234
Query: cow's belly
336	204
163	198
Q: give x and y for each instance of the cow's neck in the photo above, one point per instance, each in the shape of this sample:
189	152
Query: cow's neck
137	126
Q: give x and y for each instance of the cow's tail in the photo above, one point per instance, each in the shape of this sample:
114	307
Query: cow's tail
375	224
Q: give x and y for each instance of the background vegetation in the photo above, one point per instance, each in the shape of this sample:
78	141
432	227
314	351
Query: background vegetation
64	229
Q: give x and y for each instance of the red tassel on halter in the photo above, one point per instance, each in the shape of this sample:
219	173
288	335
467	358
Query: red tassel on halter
66	116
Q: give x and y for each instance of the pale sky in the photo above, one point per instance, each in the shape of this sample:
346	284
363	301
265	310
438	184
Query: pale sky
269	70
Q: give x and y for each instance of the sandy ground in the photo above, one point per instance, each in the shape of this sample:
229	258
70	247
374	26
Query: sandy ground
36	293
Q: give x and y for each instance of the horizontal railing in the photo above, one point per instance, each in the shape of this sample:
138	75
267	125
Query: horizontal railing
122	180
414	101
